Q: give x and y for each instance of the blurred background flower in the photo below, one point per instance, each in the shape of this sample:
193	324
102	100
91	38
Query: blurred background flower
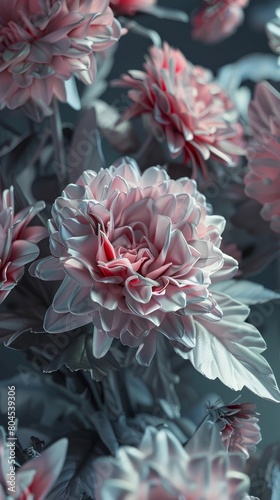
162	468
44	44
130	7
262	182
238	424
36	477
215	20
17	241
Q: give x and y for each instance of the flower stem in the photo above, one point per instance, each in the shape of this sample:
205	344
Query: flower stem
58	143
145	155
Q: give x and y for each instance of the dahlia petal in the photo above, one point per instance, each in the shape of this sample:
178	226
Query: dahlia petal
147	350
22	253
109	299
59	323
181	255
175	142
80	301
78	272
64	295
40	53
129	339
153	176
140	289
173	300
112	320
47	269
101	343
228	270
35	233
128	169
47	468
176	327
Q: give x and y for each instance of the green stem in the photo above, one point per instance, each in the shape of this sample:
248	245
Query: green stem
58	143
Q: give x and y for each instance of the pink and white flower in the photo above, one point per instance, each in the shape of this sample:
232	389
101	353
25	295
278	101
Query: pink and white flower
130	7
17	241
35	478
136	255
184	107
163	469
44	43
238	424
262	182
216	20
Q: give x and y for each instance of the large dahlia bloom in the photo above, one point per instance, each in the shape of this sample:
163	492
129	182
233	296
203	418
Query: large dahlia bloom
17	241
216	20
162	469
238	424
184	107
43	43
262	182
136	256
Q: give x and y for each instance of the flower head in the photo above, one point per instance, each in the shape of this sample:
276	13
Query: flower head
17	241
44	43
262	182
217	19
184	107
238	424
130	7
162	468
35	478
136	255
133	250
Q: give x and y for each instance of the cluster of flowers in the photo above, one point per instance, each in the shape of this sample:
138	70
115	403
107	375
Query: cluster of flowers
136	258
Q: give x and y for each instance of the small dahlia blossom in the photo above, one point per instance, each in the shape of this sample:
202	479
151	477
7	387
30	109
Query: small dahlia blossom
184	107
35	478
17	241
130	7
262	182
238	424
136	255
162	469
216	20
43	43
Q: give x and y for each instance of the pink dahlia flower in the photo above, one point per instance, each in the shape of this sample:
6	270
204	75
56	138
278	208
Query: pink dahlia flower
17	241
262	182
44	43
36	477
183	107
162	469
130	7
217	19
136	255
238	424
